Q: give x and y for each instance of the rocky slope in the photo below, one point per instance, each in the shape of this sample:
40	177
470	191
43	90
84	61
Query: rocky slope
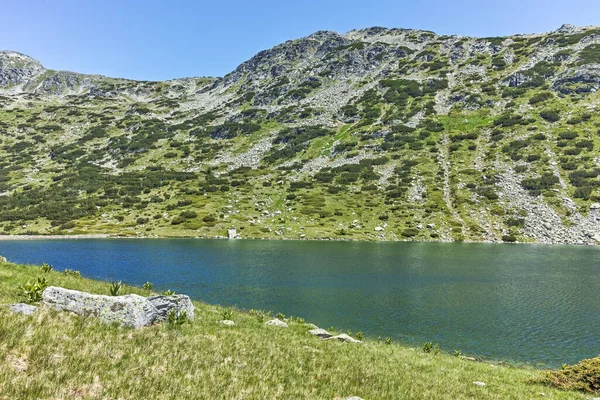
382	134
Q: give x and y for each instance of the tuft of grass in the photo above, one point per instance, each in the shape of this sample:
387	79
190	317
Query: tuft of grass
115	288
46	267
227	314
60	355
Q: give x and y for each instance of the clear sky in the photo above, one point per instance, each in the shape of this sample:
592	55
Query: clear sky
165	39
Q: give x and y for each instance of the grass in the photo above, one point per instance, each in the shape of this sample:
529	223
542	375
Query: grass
55	355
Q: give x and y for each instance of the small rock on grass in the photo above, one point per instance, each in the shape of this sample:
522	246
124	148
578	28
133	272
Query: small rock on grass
22	308
277	322
322	333
479	383
227	322
353	398
344	338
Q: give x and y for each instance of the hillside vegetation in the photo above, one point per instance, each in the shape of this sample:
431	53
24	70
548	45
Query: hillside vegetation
377	134
53	355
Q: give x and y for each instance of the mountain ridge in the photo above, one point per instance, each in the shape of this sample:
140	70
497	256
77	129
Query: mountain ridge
458	138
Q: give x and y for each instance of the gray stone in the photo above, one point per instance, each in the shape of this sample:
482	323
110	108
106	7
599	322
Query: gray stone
177	302
131	310
277	322
22	308
227	322
3	259
344	338
322	333
479	383
353	398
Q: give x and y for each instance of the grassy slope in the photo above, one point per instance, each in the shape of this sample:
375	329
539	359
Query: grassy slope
60	356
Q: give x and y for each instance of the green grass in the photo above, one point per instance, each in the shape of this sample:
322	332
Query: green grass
57	355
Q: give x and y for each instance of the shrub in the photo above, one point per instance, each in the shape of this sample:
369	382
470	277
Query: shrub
188	214
541	97
582	376
516	222
583	192
71	272
550	115
509	238
568	135
209	218
177	318
147	286
410	232
32	291
178	220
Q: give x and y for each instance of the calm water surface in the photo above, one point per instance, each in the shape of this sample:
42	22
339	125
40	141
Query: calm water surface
520	303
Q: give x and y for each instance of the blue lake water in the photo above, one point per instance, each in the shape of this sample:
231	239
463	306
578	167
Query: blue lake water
520	303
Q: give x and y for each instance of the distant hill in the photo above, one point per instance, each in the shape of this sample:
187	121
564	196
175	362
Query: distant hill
377	134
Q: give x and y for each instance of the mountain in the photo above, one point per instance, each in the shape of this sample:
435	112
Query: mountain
377	134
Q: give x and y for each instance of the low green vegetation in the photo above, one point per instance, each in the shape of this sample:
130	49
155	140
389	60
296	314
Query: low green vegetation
59	355
270	153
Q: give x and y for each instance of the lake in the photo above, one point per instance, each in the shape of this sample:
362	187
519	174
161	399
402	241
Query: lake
536	304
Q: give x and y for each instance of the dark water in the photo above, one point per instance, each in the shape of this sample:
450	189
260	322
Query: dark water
519	303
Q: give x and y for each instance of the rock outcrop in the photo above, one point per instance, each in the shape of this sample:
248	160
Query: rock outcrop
131	310
175	302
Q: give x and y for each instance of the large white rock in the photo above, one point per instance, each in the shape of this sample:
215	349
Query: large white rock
322	333
131	310
277	322
344	338
177	302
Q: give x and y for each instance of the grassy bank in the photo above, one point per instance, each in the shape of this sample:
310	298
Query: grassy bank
60	356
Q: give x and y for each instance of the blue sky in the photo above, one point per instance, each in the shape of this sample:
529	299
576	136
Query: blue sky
165	39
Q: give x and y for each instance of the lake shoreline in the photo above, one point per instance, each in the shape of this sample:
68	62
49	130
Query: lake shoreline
325	239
